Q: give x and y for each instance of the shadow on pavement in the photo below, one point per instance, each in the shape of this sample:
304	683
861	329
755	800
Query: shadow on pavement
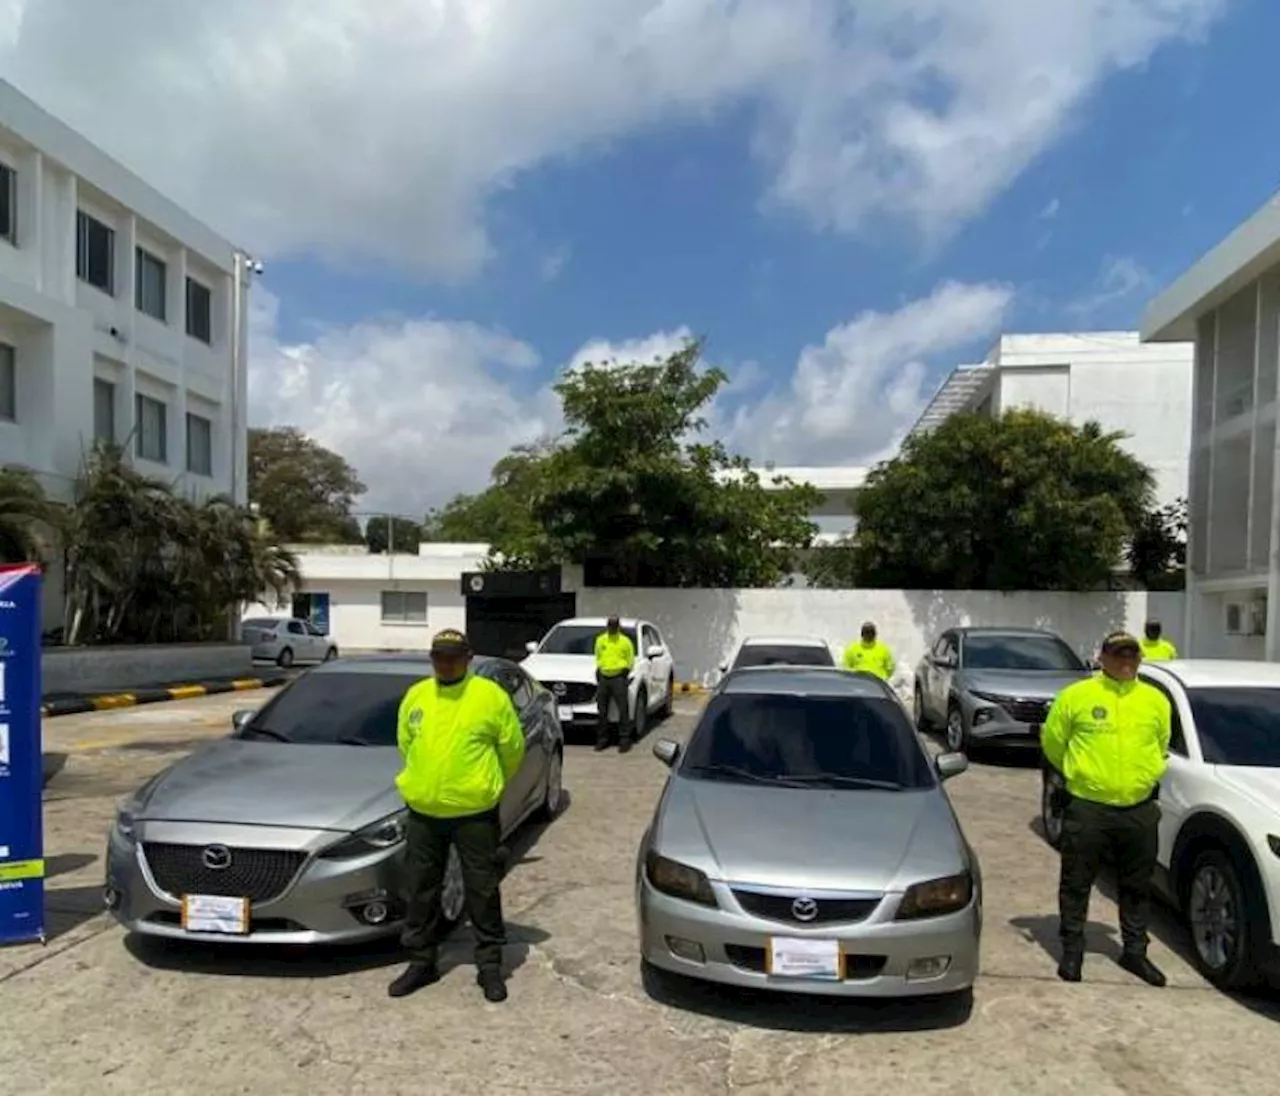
67	908
66	863
795	1012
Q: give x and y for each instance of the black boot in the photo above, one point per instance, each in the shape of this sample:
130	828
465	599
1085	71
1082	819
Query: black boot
414	977
494	985
602	743
625	743
1071	969
1140	966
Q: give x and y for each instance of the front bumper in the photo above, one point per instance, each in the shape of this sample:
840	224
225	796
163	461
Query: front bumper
878	954
325	902
1002	731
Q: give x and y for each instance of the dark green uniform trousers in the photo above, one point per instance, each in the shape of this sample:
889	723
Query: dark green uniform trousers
612	688
478	838
1094	834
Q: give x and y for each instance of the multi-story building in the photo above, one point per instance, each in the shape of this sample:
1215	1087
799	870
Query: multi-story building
1142	391
121	317
1229	304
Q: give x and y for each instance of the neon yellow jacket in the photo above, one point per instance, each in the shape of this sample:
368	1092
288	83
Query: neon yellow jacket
872	658
1157	650
461	743
1109	739
614	654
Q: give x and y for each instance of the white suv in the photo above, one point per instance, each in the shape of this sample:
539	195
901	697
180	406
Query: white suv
1219	859
565	663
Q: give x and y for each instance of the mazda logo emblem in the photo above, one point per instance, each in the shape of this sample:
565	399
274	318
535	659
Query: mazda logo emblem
558	688
804	909
217	857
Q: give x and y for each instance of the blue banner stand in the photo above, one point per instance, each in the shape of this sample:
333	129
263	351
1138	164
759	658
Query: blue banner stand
21	758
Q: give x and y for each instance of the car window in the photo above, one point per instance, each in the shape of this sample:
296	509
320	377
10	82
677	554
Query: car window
940	647
1014	652
263	624
650	639
296	628
780	654
1177	740
657	637
356	709
576	639
810	741
1238	726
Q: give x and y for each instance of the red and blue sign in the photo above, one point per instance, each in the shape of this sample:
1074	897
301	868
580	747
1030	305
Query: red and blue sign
21	760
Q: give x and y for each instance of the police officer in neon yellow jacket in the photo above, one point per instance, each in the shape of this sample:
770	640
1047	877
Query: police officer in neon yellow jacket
1109	738
869	654
461	741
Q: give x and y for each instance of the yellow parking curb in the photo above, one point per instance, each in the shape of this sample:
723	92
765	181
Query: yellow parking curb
106	702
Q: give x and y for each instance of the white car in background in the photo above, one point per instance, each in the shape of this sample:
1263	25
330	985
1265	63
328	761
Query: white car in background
286	640
565	662
780	651
1219	858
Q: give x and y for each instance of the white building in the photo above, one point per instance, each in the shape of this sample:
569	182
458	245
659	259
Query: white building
835	516
1107	377
1229	304
119	317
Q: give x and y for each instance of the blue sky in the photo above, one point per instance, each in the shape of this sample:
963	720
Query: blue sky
847	197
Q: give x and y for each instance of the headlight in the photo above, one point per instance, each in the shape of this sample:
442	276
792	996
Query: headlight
386	833
126	821
679	880
936	897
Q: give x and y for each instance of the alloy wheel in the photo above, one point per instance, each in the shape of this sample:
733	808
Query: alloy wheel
555	785
1050	818
1215	920
955	730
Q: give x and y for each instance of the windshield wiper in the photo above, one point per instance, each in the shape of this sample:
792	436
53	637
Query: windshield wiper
743	774
354	742
839	781
268	732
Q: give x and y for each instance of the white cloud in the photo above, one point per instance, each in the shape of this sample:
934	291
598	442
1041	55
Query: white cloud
1121	278
661	344
379	131
1051	210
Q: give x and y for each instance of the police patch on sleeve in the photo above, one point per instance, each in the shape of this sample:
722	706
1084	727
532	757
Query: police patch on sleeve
415	718
1099	713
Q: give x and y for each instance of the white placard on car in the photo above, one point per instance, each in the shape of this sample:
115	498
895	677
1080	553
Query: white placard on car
215	913
800	957
566	714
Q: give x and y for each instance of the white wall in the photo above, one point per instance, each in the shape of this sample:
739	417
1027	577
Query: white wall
704	626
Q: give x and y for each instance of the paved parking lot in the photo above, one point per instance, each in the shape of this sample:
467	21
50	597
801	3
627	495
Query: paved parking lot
92	1012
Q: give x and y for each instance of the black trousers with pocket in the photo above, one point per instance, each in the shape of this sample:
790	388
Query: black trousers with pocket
1094	834
612	688
478	839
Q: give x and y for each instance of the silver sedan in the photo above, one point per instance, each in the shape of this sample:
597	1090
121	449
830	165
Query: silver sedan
291	831
803	842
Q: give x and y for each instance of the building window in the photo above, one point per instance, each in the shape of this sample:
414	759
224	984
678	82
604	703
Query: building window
199	445
95	253
151	426
104	411
8	383
149	279
404	607
199	311
8	204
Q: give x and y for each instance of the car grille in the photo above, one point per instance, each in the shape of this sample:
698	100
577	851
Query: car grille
777	907
571	692
256	874
1025	711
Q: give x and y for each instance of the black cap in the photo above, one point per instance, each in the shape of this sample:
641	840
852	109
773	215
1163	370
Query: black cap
868	628
450	642
1116	643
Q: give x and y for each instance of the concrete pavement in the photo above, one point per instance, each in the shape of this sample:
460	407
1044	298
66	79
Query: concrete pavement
94	1012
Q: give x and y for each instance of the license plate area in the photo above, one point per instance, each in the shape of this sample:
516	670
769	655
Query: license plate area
215	914
803	959
566	714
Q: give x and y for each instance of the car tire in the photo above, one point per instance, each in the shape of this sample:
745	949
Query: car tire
331	654
957	734
668	705
1216	894
922	718
1050	816
640	723
285	658
553	796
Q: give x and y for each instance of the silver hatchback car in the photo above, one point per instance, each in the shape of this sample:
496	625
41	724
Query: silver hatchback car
804	842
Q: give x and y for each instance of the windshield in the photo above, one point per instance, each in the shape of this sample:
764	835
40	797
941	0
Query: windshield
807	741
770	654
577	639
1238	726
1019	653
352	709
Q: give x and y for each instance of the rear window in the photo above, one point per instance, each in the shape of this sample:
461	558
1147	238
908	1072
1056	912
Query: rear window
791	654
810	741
261	623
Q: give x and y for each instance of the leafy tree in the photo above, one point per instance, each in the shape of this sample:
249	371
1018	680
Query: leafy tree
632	493
501	514
306	492
401	534
1157	550
28	519
1023	501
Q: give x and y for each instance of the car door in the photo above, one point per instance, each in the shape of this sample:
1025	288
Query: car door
296	638
525	786
942	662
319	642
1174	801
652	668
665	663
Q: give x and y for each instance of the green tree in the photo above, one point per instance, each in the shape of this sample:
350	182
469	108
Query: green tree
401	534
1023	501
501	514
29	520
1157	549
306	492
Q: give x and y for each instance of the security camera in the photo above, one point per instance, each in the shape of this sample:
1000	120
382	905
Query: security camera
256	267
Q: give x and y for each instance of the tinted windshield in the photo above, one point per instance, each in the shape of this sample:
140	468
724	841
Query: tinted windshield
770	654
825	741
1018	653
1238	726
356	709
577	639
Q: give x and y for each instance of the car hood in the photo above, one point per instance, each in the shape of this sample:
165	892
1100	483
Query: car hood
815	839
272	784
1260	785
1024	684
578	668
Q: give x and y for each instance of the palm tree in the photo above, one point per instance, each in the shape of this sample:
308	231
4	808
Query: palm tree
29	520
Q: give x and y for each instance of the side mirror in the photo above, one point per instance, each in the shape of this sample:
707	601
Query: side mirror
240	720
666	751
530	647
950	764
1094	664
724	667
655	651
